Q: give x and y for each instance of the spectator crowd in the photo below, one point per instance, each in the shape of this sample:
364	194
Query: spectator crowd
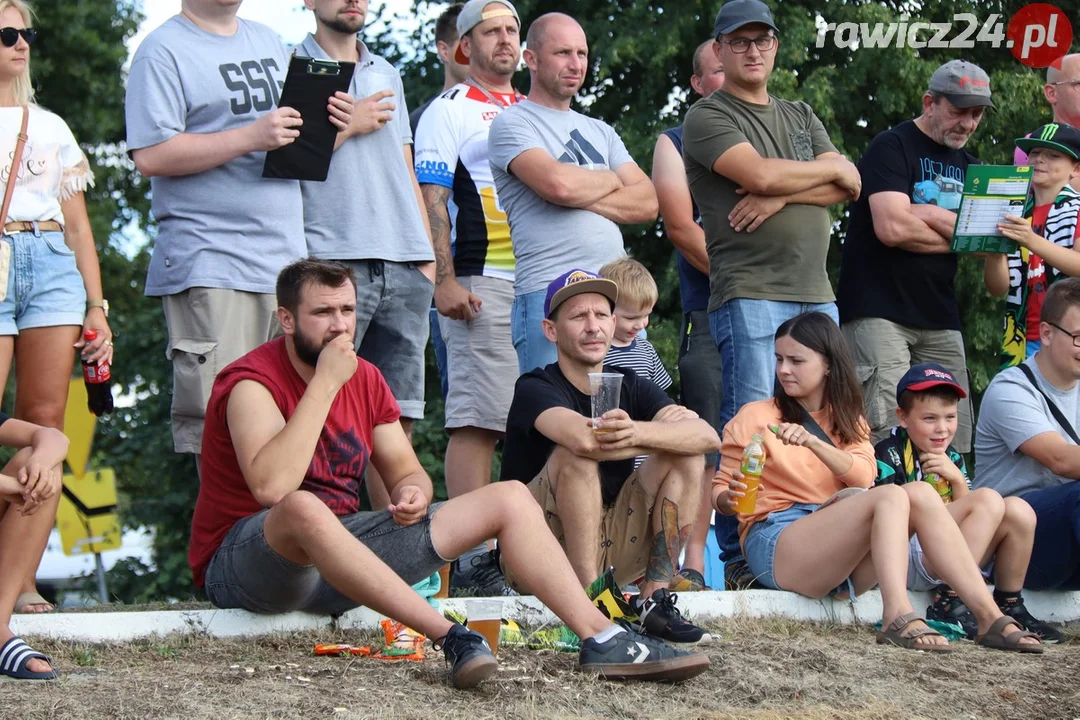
490	222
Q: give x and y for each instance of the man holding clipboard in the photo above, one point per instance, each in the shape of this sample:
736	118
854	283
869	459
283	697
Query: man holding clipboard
367	214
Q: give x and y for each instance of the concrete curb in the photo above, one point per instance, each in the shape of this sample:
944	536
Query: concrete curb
705	606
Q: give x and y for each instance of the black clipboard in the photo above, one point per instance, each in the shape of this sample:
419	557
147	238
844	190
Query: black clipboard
309	86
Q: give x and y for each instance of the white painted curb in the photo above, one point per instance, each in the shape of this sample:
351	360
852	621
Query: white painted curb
703	606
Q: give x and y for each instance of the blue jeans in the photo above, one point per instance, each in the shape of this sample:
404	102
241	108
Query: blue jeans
743	331
44	286
533	348
439	347
1055	559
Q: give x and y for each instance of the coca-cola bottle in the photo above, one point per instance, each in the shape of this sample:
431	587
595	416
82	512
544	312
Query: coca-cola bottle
96	377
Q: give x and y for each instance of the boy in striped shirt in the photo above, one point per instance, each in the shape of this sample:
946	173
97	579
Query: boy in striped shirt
637	296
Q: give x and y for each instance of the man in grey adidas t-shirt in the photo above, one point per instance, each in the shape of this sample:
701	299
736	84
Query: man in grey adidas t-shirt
565	180
1022	449
202	111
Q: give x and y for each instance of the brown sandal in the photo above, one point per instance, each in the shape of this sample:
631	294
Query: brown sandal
893	635
998	640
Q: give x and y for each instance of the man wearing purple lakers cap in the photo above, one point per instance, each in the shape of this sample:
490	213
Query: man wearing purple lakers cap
581	470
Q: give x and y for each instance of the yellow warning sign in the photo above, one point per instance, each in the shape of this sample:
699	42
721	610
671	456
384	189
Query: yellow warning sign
87	514
79	424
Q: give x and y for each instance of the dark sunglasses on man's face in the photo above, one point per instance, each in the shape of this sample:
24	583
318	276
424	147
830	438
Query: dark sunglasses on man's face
10	36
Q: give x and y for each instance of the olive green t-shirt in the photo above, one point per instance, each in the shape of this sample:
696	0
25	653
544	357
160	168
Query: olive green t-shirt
784	259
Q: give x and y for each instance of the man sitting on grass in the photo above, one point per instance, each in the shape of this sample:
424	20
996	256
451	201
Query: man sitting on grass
29	494
999	532
290	429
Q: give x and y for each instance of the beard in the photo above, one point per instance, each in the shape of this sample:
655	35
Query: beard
344	25
307	348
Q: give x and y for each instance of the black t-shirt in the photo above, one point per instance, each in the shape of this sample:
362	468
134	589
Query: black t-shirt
526	449
908	288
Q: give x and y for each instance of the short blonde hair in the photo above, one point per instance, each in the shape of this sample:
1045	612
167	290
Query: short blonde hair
636	284
23	88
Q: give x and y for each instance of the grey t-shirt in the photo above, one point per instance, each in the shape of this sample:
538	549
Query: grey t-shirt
1013	412
550	239
367	207
784	259
227	227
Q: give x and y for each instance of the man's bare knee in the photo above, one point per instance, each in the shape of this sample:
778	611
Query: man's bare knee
564	463
301	510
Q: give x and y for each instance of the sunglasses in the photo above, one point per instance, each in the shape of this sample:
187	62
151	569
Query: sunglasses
9	36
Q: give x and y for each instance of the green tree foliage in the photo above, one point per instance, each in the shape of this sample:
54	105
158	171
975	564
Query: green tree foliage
638	81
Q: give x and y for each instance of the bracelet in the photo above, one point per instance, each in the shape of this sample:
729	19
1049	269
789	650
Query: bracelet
103	304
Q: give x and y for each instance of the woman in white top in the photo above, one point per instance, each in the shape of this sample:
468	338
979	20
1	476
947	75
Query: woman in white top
52	278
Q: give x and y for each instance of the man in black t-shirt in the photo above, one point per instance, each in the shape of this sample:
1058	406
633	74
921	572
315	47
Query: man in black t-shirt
581	469
896	297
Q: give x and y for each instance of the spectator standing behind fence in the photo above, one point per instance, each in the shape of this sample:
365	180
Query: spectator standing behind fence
565	180
201	113
896	294
475	285
1046	235
805	536
762	171
700	372
1027	443
51	279
446	40
1062	91
370	216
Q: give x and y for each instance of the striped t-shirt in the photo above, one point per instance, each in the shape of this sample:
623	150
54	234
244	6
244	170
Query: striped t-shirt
641	357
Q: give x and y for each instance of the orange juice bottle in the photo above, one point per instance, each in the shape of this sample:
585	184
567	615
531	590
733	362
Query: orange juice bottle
942	486
753	464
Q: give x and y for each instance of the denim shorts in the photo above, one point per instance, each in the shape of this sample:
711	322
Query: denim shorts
246	573
44	287
760	545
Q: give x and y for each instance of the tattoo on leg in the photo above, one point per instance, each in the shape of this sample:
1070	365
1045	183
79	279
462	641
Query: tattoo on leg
668	542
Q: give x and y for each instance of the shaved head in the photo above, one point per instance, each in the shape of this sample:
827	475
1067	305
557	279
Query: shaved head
540	26
1070	69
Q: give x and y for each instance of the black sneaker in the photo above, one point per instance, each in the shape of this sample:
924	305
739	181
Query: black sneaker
632	656
1046	632
470	658
659	617
948	607
737	575
478	575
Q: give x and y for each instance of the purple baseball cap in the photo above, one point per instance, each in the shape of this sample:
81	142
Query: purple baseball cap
578	282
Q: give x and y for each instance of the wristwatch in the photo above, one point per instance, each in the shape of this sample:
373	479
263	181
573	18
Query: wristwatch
103	304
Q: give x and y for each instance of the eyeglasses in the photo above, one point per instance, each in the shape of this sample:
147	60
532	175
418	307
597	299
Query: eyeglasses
764	43
1075	337
10	36
1073	83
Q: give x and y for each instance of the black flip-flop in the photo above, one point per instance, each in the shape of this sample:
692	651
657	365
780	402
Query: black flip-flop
14	654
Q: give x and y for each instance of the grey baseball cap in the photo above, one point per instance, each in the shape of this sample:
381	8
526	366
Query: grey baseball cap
474	13
736	13
964	84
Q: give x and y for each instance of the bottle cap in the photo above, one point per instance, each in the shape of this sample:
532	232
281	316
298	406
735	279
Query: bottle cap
90	335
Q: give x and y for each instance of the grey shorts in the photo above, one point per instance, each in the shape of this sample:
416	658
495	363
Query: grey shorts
246	573
208	329
481	361
392	304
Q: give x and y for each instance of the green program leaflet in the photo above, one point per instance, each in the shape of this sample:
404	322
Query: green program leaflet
990	193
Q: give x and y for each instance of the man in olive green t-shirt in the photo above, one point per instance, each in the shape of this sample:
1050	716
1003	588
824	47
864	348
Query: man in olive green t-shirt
763	173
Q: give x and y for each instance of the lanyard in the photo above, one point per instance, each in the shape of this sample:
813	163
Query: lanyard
496	101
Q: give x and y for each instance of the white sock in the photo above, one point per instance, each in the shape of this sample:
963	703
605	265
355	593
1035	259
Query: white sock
605	635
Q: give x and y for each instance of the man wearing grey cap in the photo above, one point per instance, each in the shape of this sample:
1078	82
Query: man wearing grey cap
896	296
763	172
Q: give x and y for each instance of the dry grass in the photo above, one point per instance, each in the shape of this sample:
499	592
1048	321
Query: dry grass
763	669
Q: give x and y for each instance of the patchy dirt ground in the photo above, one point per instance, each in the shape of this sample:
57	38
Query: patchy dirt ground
761	669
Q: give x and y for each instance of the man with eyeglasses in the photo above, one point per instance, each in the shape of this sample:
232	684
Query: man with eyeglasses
763	172
1027	444
1062	91
896	294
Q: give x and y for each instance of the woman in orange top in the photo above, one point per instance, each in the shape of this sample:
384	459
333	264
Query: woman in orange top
789	546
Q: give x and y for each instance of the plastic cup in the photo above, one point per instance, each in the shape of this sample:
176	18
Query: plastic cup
748	502
605	388
485	617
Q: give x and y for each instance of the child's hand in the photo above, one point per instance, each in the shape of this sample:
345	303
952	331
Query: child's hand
1019	230
942	466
